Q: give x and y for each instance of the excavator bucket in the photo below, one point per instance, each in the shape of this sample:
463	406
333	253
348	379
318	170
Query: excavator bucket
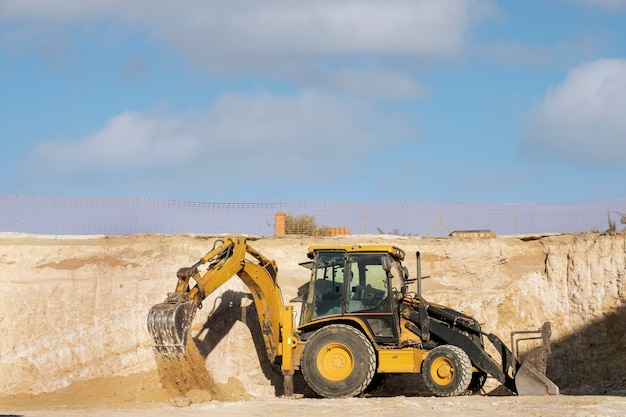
169	323
530	378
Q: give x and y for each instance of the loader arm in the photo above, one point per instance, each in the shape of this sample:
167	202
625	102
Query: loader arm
169	322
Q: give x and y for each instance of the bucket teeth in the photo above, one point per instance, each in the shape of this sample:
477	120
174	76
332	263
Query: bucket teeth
169	323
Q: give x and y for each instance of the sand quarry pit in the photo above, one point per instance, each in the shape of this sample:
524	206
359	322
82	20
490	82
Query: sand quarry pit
73	338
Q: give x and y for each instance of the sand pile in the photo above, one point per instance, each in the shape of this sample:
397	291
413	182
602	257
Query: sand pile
73	310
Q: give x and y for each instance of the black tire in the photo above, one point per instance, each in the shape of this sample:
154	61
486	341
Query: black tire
476	384
447	371
376	385
338	361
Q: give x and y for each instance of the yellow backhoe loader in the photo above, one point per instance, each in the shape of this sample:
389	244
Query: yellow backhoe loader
358	323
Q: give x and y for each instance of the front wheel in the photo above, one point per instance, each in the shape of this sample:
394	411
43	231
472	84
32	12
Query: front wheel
476	384
447	371
338	361
376	385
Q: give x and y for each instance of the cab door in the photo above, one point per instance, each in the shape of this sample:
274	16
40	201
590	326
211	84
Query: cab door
370	295
325	293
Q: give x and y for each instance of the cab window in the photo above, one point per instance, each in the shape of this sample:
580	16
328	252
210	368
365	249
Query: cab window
328	284
368	285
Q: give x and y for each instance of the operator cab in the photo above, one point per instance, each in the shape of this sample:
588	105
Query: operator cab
356	281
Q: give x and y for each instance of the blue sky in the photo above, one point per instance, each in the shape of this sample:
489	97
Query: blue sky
335	100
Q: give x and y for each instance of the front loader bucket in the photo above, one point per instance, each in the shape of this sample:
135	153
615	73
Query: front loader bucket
169	323
530	378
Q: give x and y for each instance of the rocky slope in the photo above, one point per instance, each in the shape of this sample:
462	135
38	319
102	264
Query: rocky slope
74	309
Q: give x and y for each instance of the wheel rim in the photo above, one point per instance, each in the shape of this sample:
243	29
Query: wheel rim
442	371
335	361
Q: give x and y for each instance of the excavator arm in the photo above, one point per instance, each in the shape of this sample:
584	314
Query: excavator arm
169	322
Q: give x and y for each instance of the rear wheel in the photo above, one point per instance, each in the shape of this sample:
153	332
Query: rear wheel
377	383
447	371
338	361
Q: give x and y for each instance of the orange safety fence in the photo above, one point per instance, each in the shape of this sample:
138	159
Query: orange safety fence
123	216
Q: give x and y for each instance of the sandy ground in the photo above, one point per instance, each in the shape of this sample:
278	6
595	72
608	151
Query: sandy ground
73	338
561	406
142	394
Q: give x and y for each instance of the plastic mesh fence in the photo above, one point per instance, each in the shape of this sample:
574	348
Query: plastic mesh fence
112	216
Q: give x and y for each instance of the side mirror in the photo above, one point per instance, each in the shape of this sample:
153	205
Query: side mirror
386	263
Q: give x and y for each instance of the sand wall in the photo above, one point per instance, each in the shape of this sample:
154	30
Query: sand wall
74	309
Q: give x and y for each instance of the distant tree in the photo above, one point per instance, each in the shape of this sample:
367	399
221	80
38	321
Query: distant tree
612	225
304	224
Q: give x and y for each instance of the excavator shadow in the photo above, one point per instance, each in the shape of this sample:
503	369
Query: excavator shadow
232	307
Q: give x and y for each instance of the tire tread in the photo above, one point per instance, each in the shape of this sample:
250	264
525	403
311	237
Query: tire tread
464	372
370	362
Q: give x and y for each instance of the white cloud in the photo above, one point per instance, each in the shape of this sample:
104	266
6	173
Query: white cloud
129	142
561	54
300	41
275	28
582	119
371	84
605	4
279	139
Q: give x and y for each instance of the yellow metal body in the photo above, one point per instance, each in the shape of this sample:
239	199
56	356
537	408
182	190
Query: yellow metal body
276	319
442	371
406	360
335	361
273	315
390	249
390	360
